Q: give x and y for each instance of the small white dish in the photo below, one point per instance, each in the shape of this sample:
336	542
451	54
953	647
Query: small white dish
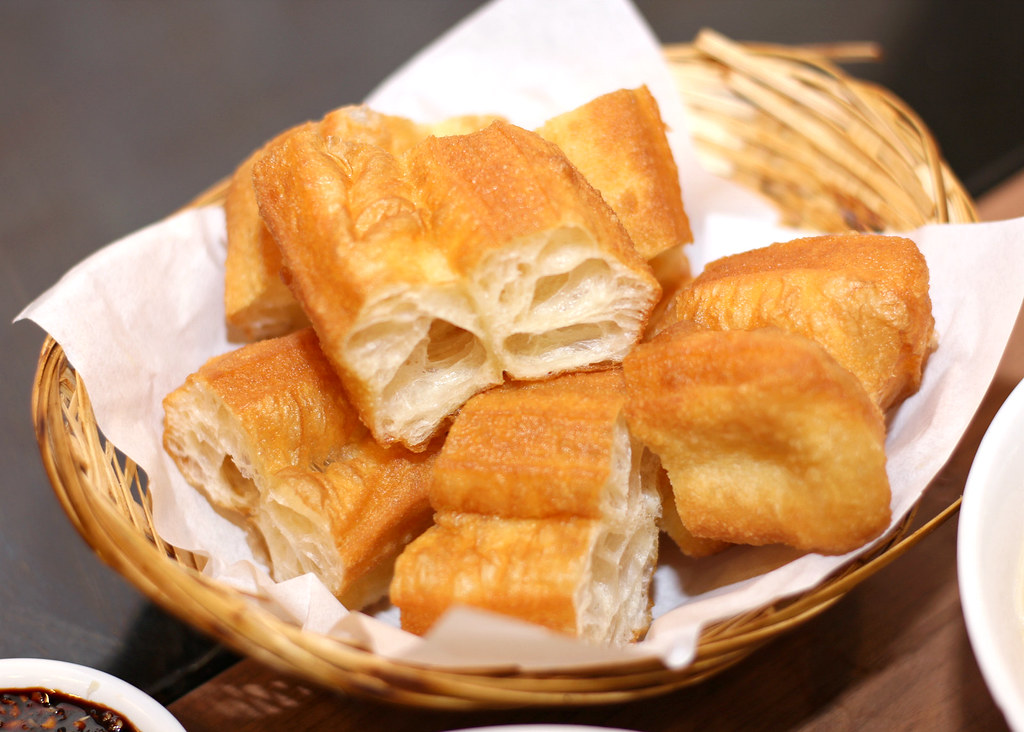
990	557
144	712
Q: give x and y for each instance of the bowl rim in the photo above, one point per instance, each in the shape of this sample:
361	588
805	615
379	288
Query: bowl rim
90	684
991	653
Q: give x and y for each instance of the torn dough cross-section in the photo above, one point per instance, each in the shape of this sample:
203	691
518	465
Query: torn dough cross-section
475	370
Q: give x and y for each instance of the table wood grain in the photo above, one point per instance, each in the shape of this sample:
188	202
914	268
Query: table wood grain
893	654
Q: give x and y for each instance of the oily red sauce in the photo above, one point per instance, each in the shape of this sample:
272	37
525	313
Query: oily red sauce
44	709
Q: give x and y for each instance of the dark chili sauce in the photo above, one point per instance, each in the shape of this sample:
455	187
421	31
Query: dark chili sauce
44	709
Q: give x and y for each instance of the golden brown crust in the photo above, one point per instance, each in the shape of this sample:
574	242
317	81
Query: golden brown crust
257	303
267	432
487	189
345	219
618	142
863	297
359	123
546	510
285	397
672	524
373	501
533	450
443	237
347	229
525	568
766	439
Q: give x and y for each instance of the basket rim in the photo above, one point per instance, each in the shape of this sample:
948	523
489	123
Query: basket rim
168	583
129	544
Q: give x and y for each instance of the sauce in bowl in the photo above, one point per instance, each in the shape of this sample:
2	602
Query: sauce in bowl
45	709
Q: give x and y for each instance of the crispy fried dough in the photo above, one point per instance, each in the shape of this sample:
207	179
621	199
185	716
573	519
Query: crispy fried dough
618	142
267	433
386	305
531	569
429	275
539	450
863	297
765	437
672	524
551	272
546	510
257	303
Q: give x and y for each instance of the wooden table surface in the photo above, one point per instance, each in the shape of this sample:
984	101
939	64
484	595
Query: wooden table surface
893	654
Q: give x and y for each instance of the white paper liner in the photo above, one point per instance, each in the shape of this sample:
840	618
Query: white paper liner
527	60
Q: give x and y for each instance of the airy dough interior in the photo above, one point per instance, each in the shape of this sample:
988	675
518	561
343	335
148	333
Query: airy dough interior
627	493
555	303
297	542
300	541
612	604
612	607
421	354
210	455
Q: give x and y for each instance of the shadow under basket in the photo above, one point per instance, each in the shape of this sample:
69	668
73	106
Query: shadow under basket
832	154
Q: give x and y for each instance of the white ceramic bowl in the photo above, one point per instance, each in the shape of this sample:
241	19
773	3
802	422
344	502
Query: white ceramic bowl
990	557
144	712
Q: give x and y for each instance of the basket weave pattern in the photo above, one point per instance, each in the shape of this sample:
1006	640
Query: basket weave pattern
831	152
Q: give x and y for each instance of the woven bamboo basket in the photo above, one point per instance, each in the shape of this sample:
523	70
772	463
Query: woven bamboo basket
833	153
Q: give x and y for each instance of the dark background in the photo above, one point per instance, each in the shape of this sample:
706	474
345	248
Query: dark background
114	114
